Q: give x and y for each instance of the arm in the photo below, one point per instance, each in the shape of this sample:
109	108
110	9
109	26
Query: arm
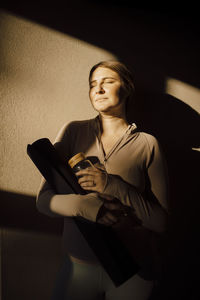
53	204
68	205
150	206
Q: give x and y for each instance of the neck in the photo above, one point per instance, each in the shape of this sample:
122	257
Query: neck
112	124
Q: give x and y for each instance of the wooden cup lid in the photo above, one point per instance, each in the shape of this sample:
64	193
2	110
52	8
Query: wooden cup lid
76	159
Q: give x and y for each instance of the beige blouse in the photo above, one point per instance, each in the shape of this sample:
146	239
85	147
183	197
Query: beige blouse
137	176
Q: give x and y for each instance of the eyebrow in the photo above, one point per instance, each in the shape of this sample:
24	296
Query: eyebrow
104	79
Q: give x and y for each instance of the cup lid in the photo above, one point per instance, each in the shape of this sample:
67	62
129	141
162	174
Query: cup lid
76	159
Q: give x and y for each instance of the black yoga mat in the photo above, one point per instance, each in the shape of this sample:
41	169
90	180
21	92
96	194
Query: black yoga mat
110	251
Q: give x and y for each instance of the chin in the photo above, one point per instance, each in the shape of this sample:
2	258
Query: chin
103	105
104	110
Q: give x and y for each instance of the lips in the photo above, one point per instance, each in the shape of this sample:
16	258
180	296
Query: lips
99	99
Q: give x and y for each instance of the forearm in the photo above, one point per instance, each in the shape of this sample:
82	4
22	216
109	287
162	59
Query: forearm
68	205
152	215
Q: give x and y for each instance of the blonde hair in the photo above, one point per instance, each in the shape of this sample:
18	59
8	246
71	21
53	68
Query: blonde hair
123	72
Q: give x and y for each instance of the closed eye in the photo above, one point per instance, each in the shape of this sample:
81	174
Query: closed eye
108	81
105	80
92	85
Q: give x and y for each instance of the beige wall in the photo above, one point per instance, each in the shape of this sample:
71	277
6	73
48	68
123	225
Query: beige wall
44	84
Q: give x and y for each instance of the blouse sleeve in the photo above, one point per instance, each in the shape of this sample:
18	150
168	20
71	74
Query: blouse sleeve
70	205
151	207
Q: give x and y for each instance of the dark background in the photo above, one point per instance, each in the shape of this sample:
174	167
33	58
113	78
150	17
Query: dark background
156	43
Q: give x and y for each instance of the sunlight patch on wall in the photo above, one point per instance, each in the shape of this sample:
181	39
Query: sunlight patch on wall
44	84
186	93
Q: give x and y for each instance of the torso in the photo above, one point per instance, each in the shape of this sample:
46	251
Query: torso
108	143
126	159
122	155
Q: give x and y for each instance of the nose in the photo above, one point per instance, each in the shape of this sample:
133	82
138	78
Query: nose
100	89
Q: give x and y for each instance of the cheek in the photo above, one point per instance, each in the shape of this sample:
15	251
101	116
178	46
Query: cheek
114	91
118	93
91	95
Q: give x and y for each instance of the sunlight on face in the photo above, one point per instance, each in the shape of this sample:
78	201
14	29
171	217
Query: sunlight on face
106	91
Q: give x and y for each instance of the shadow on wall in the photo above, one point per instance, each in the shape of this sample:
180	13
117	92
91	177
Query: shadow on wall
19	211
176	125
154	46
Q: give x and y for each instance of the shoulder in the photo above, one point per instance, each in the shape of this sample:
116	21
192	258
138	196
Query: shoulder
148	139
72	128
76	124
79	124
145	140
149	146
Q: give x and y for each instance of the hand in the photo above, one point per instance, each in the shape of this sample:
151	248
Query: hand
92	179
110	212
106	217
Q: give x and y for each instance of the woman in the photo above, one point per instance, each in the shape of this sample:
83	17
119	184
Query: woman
131	174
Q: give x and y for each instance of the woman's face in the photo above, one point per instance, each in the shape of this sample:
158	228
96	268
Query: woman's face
106	92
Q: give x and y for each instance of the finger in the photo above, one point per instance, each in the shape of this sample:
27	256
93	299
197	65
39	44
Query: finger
109	216
87	185
100	167
105	221
89	182
86	179
87	171
90	188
